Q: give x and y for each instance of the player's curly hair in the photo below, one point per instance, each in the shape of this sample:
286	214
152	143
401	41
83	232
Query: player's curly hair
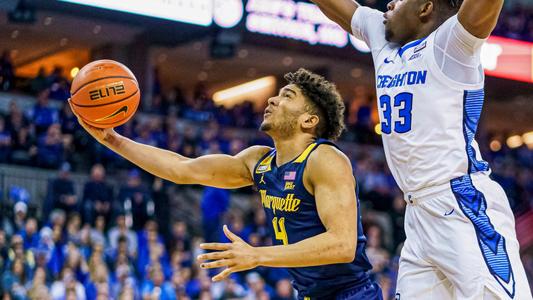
324	101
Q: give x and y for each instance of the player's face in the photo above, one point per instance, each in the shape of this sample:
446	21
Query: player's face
283	111
401	20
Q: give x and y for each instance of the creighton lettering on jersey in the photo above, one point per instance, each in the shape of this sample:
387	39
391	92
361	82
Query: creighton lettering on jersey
402	79
293	213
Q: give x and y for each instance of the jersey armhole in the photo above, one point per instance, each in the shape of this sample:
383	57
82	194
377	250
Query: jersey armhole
435	69
304	163
263	157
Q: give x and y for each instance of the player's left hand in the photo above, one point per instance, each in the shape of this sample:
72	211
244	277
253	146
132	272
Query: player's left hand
235	256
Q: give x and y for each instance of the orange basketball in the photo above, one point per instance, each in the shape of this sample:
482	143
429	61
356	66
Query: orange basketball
105	94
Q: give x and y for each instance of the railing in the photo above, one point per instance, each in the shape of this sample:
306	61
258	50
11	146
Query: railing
34	180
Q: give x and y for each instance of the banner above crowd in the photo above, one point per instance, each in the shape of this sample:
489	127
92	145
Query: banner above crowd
303	21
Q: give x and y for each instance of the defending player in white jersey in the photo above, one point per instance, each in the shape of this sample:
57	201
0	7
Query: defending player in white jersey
461	241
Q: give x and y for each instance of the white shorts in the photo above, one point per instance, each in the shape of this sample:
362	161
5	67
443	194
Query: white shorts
461	244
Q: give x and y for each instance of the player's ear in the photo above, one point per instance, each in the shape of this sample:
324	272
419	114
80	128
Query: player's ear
426	8
310	120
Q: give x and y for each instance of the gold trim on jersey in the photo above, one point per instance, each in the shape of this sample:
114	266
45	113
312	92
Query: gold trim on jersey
265	165
305	154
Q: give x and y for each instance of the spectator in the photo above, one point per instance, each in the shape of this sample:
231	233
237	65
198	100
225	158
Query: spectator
39	289
284	290
161	202
50	150
257	288
61	191
23	150
60	90
7	72
20	210
40	82
15	120
180	238
124	281
121	230
42	115
5	141
98	235
98	283
4	249
152	251
377	255
69	121
14	281
73	226
97	195
56	76
134	198
68	284
30	235
156	287
215	203
57	251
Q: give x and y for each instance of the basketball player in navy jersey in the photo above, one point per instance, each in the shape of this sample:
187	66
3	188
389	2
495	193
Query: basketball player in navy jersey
307	190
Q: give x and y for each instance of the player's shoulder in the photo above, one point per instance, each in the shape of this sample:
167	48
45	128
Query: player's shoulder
448	24
253	154
328	156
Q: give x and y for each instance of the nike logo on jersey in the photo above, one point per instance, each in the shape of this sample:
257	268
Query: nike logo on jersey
387	61
449	213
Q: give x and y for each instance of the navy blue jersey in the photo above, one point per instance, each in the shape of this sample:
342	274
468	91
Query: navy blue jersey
293	213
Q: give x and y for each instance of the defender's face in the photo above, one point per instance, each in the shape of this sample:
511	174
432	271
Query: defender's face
283	111
400	20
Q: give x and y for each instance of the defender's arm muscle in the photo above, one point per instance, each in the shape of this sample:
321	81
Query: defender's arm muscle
339	11
479	17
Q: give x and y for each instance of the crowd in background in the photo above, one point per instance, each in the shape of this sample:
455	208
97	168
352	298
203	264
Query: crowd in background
516	23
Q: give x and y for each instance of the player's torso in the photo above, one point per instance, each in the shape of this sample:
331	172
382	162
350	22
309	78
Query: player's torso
292	211
422	116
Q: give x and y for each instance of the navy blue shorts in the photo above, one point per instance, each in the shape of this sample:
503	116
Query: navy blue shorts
370	291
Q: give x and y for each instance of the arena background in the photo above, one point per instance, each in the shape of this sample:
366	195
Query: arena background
79	222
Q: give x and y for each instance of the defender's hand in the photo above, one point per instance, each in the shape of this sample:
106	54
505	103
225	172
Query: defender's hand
235	256
101	135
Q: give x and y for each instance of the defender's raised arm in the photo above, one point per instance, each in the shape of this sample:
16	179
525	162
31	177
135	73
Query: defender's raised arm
479	17
339	11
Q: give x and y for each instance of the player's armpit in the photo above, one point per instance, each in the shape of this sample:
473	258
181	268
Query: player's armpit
219	170
339	11
479	17
329	178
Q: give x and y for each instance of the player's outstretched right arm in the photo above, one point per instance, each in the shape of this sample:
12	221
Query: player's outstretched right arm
216	170
362	22
339	11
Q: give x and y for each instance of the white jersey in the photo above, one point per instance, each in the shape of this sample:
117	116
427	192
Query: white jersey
430	95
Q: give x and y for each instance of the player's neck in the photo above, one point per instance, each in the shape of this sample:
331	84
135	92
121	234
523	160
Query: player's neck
289	149
425	31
